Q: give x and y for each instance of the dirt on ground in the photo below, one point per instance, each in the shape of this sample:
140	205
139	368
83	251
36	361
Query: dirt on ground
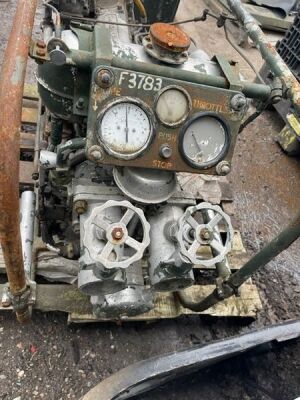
47	359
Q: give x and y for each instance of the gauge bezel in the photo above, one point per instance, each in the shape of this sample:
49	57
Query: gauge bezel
184	118
223	153
145	108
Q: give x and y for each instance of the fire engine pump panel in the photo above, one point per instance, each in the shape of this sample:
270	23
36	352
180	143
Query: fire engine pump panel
125	115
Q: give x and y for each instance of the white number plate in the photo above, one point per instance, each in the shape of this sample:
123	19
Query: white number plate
140	81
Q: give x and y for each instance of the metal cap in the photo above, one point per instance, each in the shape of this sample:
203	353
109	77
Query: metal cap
147	186
169	37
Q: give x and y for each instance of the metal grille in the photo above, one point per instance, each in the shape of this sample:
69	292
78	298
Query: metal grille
289	47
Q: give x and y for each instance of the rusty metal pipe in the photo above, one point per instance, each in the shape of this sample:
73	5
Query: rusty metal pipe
11	92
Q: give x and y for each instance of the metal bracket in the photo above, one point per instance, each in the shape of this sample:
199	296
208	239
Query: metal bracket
18	302
226	67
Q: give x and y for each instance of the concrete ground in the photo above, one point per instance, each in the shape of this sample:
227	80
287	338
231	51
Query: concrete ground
47	359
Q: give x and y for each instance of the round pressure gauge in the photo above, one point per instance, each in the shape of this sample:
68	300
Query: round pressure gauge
173	105
204	140
125	128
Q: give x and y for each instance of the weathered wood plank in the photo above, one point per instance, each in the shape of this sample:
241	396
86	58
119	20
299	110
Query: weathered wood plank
67	298
29	115
166	307
26	171
30	92
27	141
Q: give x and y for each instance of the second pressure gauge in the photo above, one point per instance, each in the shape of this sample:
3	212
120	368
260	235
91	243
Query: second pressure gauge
204	140
125	128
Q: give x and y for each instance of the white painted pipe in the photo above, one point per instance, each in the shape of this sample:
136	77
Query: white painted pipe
27	210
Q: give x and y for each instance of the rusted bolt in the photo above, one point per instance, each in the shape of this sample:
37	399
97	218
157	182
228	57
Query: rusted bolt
104	78
117	233
223	168
80	207
95	153
41	44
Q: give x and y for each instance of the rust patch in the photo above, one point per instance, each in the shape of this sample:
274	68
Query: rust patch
169	37
11	92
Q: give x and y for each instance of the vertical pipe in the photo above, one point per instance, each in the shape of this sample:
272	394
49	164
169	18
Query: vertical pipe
11	92
27	226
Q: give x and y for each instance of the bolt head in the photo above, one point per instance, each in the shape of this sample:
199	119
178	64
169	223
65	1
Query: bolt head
95	153
80	103
104	78
238	102
223	168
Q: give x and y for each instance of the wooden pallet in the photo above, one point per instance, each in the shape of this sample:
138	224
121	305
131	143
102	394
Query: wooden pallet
67	298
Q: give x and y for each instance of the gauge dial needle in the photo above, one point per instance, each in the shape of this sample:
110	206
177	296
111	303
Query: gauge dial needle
126	128
197	143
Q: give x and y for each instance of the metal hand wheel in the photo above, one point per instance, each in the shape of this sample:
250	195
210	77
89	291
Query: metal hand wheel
206	233
107	238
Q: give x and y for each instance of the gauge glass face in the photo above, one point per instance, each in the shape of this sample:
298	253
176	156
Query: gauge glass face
173	106
205	141
125	130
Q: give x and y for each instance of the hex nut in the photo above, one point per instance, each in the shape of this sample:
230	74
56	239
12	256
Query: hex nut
80	206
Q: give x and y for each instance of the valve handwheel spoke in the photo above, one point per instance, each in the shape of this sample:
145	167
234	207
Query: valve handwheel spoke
106	251
127	217
217	246
134	244
213	222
